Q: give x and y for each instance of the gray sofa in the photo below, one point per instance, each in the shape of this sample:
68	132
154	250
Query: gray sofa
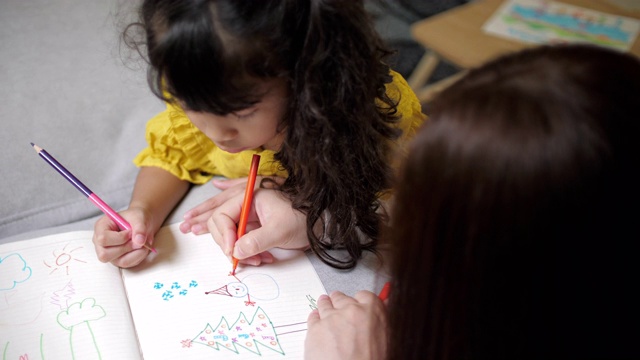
67	86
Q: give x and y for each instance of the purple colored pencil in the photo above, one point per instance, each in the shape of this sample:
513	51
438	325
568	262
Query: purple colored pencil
112	214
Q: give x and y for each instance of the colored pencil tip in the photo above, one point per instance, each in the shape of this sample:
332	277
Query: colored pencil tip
235	266
32	144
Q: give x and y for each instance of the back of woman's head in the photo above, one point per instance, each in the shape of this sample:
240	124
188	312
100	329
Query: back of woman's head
512	229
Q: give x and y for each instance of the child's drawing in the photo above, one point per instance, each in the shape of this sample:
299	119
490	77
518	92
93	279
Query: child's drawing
63	259
258	286
24	356
174	289
61	297
20	308
543	22
76	319
13	271
17	307
242	335
59	302
312	302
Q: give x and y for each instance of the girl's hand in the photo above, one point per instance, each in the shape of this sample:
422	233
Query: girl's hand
272	223
195	220
356	327
115	246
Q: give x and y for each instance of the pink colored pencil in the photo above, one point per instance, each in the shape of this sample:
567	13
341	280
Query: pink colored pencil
112	214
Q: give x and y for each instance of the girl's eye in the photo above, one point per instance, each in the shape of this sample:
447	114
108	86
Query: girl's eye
245	114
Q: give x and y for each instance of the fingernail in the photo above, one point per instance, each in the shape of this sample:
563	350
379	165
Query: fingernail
187	215
238	253
196	228
138	241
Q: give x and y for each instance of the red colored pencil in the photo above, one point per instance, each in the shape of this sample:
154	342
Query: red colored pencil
122	223
246	204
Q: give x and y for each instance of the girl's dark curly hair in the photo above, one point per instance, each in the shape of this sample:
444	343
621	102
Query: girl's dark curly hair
340	124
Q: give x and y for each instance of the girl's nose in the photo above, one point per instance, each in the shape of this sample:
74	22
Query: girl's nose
224	134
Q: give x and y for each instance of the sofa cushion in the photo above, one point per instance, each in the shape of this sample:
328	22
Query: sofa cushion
66	86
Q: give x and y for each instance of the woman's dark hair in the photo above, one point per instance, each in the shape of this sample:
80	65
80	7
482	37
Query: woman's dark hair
514	233
210	54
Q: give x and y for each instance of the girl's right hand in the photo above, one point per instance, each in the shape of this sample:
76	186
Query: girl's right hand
115	246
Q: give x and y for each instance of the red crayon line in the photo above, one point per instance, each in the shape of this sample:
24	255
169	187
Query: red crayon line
122	223
246	204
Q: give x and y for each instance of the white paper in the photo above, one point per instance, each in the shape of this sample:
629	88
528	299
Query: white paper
186	305
58	301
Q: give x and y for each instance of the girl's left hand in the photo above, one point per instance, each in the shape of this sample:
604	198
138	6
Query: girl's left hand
345	327
195	220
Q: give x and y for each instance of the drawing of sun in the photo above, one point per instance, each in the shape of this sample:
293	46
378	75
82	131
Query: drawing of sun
62	259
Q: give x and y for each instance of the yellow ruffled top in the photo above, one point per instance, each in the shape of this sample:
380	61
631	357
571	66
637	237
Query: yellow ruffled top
177	146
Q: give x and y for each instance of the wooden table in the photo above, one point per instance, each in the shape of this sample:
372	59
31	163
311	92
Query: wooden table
457	36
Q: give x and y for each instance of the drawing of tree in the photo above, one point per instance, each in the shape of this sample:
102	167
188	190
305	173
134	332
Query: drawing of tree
243	334
76	320
14	271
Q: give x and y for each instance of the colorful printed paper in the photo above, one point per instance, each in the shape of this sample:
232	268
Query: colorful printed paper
551	22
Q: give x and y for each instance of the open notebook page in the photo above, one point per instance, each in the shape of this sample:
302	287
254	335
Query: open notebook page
57	301
186	305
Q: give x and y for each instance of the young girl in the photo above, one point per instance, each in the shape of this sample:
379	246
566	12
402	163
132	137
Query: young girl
514	233
300	82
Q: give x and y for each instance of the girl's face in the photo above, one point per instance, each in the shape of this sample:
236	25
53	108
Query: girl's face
249	128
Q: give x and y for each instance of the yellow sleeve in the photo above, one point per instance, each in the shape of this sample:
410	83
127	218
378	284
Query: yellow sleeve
409	107
177	146
411	116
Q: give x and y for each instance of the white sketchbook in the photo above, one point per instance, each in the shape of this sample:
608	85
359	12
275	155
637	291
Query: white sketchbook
57	301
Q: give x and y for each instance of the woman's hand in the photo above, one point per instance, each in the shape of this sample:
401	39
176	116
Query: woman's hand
345	327
272	223
195	220
117	247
